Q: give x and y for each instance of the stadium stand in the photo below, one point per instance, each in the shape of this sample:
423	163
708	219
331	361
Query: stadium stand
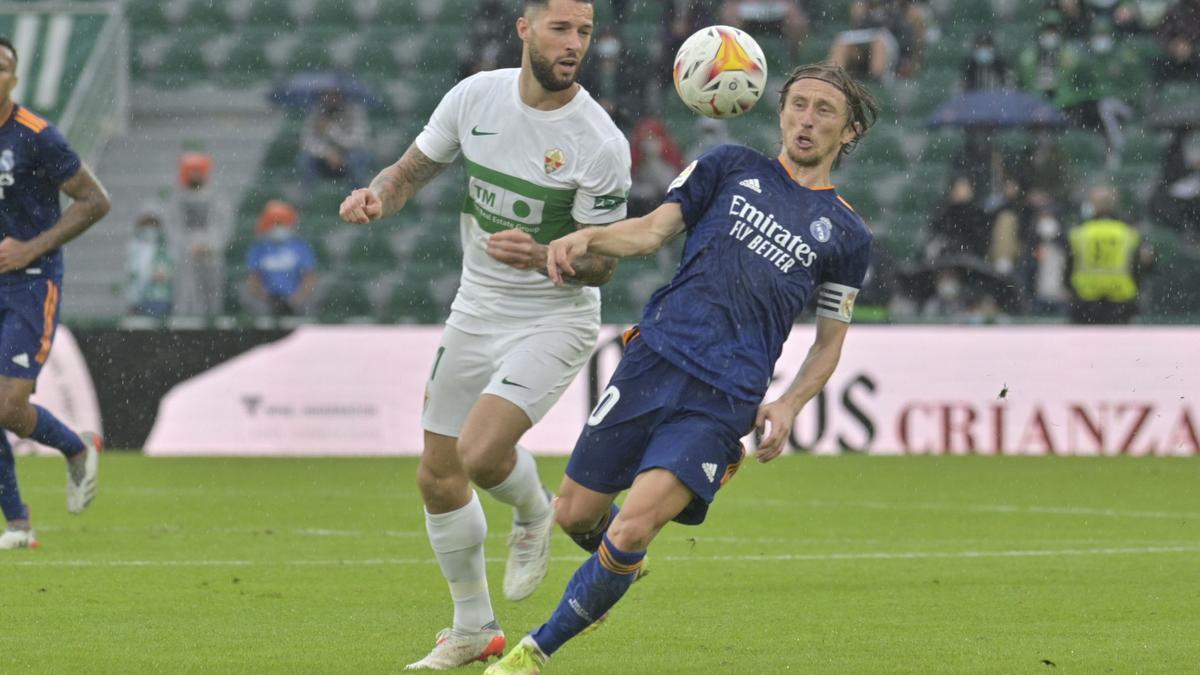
201	70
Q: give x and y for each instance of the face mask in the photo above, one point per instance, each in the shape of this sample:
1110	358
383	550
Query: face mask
1102	44
984	55
607	48
1049	41
1047	227
279	233
947	288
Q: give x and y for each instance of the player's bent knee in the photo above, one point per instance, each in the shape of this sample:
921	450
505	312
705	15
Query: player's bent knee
631	534
576	518
439	488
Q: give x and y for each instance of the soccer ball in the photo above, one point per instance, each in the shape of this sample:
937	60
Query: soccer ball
720	72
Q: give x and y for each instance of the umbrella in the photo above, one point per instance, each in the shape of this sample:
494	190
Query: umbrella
997	108
303	90
976	277
1182	116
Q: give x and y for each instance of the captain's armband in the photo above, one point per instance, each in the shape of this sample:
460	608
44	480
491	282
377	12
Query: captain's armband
835	301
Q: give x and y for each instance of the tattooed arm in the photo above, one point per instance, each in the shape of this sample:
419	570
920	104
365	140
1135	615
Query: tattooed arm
516	248
391	189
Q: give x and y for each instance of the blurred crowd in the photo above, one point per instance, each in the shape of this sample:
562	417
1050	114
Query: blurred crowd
1022	227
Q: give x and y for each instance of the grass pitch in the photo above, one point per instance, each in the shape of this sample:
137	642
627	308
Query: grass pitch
823	565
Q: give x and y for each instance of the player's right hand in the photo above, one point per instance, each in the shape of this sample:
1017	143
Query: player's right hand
361	206
562	252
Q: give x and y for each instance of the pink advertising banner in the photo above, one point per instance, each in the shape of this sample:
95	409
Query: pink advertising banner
899	390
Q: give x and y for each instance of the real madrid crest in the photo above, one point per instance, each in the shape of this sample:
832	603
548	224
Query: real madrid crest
554	160
821	229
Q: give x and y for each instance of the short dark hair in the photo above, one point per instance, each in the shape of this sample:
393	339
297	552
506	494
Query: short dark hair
5	42
863	107
543	4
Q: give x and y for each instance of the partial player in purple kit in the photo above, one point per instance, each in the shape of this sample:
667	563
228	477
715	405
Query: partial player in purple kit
36	164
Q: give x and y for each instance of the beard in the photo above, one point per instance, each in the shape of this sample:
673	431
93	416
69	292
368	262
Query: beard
543	71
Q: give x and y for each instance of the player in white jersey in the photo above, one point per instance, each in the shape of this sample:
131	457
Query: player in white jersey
543	159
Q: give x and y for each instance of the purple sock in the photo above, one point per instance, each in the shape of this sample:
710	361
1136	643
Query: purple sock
52	432
10	495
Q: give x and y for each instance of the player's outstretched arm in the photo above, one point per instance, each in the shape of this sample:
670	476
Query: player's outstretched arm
634	236
818	366
391	189
90	204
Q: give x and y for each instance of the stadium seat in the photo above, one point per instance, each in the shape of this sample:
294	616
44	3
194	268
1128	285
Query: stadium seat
147	14
207	13
335	14
345	300
247	62
183	64
273	14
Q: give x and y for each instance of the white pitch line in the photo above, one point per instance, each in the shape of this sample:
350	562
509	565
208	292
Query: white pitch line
1013	508
812	557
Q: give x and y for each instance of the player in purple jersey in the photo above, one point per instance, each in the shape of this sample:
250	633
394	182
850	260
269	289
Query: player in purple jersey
763	236
35	165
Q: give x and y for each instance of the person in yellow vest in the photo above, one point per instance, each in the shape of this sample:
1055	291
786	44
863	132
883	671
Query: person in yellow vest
1106	260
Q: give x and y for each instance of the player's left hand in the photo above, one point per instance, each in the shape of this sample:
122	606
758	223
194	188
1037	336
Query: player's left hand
780	416
15	255
518	249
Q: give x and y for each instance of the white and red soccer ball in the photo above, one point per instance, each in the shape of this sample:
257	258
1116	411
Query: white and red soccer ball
720	72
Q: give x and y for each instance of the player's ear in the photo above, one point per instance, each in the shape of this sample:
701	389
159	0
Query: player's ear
523	28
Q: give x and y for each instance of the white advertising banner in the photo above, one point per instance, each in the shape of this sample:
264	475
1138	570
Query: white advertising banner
358	390
65	388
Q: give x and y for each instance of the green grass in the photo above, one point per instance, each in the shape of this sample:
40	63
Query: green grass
822	565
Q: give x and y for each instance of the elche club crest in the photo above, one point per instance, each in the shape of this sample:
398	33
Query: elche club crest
554	160
821	229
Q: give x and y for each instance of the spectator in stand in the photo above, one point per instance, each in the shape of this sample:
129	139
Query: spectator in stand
1076	16
1047	265
709	134
908	21
1043	166
1179	37
614	81
489	43
655	160
784	18
1176	201
1038	64
960	229
200	224
1107	259
335	142
985	68
150	267
281	265
868	49
1100	82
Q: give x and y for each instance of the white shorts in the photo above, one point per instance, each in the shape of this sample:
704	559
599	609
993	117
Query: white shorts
530	367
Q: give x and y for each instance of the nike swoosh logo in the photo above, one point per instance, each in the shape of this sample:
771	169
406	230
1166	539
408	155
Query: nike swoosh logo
515	384
476	132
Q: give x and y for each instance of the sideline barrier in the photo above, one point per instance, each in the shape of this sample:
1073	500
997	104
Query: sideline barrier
358	390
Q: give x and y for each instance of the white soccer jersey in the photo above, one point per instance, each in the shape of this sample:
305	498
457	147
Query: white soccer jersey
541	171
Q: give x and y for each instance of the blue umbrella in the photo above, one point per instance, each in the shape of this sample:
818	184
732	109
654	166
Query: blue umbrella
303	90
997	108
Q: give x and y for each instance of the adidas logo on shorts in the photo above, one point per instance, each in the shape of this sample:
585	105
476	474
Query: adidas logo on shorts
710	470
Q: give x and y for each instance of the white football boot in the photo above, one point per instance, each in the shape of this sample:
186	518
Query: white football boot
457	648
528	555
17	539
83	474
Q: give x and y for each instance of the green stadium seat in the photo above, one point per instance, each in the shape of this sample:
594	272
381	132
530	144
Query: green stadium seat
207	13
1084	150
880	149
147	14
183	64
312	53
375	55
336	13
247	61
345	300
372	250
272	14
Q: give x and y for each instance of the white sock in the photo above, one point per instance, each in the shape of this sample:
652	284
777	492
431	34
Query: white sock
523	490
457	540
